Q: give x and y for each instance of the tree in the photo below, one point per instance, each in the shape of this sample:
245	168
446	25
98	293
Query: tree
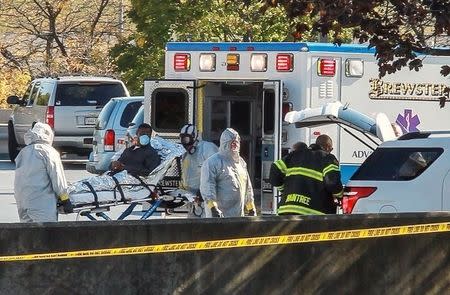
157	22
12	82
59	36
401	31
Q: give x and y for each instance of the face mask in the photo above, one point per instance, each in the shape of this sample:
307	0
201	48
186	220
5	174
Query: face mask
186	140
144	139
235	146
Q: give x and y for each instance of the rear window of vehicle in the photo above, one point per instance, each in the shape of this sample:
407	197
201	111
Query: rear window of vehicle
397	164
169	109
139	118
129	112
104	115
84	94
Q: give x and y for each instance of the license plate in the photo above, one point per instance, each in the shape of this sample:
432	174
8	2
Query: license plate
90	121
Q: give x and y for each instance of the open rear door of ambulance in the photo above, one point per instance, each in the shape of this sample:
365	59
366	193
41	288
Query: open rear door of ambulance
271	142
169	105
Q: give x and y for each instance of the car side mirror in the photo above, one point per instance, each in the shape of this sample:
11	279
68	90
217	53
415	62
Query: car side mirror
131	124
13	99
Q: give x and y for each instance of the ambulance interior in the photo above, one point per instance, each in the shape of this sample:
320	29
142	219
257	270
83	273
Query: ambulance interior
242	106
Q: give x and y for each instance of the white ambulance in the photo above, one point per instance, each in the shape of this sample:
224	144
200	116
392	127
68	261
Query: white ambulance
251	86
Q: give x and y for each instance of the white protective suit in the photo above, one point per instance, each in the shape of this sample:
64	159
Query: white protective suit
225	181
191	165
39	177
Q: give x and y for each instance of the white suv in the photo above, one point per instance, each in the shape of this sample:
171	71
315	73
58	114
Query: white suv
406	174
410	174
69	104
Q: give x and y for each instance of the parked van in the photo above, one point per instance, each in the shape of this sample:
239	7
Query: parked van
70	105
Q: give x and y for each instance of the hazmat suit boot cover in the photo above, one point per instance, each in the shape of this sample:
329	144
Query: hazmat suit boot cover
225	179
39	176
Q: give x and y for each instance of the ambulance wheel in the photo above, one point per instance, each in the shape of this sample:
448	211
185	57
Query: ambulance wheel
13	147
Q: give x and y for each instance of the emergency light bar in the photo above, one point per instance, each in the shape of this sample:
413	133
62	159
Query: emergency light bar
326	67
182	62
207	62
258	62
285	62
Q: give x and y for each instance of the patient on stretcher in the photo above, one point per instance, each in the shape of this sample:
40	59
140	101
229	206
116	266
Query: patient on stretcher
141	158
123	185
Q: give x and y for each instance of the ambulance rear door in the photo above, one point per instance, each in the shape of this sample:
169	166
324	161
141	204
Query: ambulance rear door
169	105
270	142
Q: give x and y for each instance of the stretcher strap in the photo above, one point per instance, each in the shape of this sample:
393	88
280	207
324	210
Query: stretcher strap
92	191
142	182
119	187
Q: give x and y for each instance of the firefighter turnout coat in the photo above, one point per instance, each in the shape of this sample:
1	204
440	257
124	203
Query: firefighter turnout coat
309	180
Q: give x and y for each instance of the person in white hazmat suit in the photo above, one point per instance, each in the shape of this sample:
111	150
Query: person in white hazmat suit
197	151
39	178
225	183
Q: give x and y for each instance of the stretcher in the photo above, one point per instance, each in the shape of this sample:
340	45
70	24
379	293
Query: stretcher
93	197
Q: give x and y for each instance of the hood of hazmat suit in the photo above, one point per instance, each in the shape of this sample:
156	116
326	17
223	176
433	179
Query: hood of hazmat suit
39	176
225	181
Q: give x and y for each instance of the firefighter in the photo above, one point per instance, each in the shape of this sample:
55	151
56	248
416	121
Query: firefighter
310	180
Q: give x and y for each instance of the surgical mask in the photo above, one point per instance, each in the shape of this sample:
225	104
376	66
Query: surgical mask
144	139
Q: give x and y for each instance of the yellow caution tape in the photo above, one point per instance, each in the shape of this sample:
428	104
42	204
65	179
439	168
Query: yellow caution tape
367	233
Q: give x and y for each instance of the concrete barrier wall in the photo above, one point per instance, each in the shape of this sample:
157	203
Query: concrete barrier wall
410	264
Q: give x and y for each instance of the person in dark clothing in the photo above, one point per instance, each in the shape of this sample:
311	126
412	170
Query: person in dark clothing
139	159
325	143
310	180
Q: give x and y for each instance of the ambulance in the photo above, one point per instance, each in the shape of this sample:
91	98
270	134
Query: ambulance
251	86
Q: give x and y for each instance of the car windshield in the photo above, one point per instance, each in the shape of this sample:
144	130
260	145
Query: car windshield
83	94
396	164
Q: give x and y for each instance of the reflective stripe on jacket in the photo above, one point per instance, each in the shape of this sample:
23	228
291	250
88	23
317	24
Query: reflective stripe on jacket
309	179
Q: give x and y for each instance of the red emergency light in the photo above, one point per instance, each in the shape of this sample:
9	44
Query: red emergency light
182	62
285	62
326	67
